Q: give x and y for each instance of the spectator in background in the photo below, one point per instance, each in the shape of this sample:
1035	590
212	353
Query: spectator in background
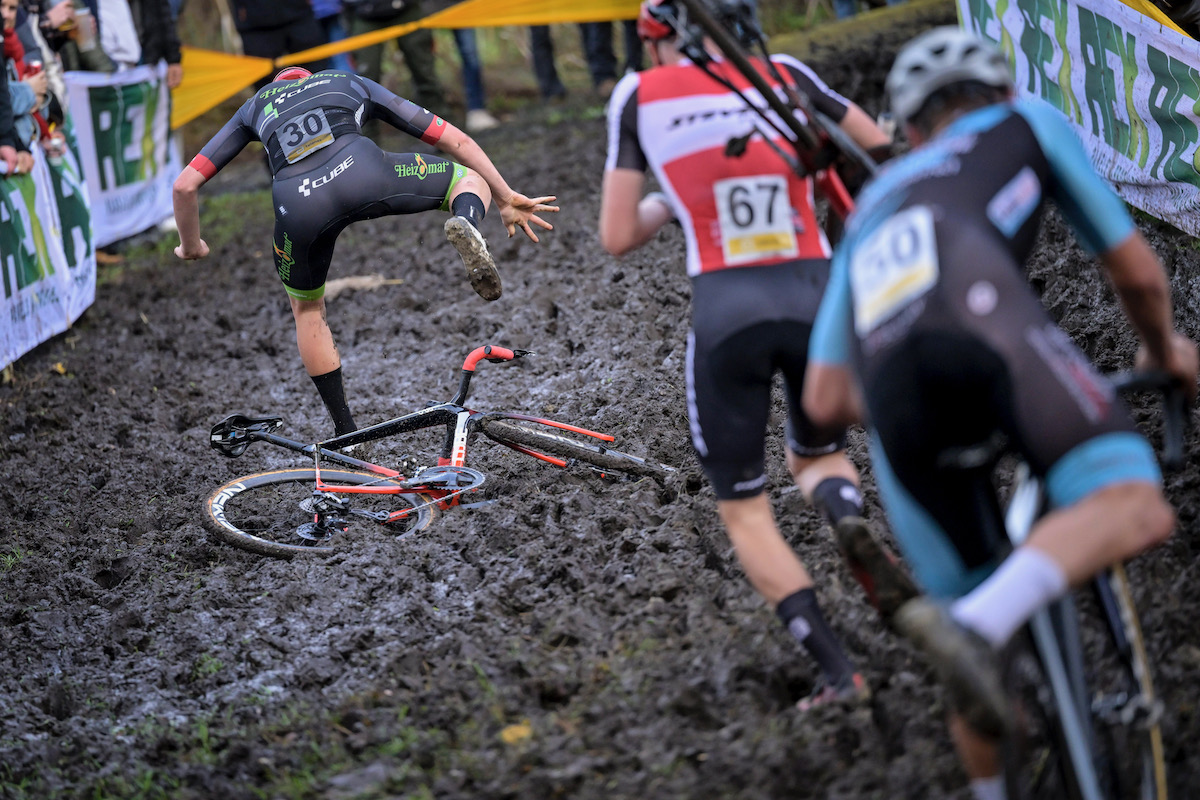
273	28
329	17
9	154
478	118
158	36
119	35
27	84
416	47
598	52
541	48
844	9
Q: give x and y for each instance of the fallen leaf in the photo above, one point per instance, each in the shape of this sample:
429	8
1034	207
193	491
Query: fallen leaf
60	368
515	734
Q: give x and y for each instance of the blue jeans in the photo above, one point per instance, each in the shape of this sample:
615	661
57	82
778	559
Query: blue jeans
848	8
472	70
335	31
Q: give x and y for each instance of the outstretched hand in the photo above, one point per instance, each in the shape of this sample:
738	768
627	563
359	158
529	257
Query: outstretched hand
522	210
193	253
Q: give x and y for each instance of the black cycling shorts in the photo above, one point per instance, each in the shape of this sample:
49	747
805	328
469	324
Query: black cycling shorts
346	183
748	324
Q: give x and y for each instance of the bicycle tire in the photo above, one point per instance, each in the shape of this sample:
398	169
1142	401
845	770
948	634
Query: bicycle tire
1034	755
1135	748
561	443
261	513
1126	747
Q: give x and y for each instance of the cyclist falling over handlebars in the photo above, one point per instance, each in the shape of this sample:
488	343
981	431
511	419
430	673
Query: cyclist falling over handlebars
941	343
326	175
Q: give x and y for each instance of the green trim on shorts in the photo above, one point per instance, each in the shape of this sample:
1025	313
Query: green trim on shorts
460	172
306	294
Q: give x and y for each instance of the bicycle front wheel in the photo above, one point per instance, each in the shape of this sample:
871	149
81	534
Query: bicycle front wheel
272	513
523	434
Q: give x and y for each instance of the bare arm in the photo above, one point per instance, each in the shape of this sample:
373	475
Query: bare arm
516	209
862	129
1141	284
628	220
185	197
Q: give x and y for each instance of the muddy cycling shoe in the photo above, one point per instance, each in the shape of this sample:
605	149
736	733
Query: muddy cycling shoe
966	664
470	244
851	691
887	585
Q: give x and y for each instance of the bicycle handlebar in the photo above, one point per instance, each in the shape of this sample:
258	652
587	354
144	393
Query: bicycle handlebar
493	353
488	352
1174	405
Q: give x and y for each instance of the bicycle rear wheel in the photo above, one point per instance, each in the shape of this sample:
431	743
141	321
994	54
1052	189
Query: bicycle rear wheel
271	513
1124	703
569	445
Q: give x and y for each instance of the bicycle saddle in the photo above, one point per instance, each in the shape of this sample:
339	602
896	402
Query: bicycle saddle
231	436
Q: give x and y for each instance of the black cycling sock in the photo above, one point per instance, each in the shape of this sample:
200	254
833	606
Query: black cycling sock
837	498
802	616
333	394
470	207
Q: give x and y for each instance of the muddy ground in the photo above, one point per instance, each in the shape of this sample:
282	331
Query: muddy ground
572	639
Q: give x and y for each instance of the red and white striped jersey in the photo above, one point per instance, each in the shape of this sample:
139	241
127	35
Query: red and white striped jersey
748	210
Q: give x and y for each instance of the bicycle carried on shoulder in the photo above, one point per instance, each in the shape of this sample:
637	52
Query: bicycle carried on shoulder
1078	675
307	510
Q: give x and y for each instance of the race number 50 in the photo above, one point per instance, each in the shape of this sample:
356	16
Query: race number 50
895	265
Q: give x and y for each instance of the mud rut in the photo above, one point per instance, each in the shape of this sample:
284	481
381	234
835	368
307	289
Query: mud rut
572	639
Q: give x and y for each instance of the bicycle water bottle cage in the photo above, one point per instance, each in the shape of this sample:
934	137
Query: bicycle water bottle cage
231	436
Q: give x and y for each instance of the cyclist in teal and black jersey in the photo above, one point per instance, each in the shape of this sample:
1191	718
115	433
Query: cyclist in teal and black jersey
759	261
326	175
930	333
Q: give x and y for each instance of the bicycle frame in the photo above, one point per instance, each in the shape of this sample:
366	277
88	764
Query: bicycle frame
233	434
1055	634
1055	630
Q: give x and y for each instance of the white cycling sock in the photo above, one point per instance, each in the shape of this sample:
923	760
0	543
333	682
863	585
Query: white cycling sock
988	788
1027	580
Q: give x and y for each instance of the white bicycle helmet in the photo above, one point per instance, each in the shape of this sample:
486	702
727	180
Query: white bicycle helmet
938	58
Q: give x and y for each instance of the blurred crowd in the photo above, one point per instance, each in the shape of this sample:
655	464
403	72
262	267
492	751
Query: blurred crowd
273	28
44	38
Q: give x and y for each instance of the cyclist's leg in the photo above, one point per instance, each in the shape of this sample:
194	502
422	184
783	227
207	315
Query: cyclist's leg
302	265
729	384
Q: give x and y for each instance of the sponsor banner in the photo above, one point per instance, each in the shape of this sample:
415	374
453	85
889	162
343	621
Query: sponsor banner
1129	85
44	291
128	164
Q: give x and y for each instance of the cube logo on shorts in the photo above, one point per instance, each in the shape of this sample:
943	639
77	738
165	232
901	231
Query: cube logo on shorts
306	186
421	168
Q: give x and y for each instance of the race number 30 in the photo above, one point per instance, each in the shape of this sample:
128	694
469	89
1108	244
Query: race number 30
302	136
894	266
755	217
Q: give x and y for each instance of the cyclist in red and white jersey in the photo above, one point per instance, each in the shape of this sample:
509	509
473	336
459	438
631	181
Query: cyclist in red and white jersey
759	262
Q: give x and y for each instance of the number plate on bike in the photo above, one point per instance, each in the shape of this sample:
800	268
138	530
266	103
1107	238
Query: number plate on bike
755	218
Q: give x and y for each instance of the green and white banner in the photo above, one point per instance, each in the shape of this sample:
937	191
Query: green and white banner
128	163
1129	85
46	254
